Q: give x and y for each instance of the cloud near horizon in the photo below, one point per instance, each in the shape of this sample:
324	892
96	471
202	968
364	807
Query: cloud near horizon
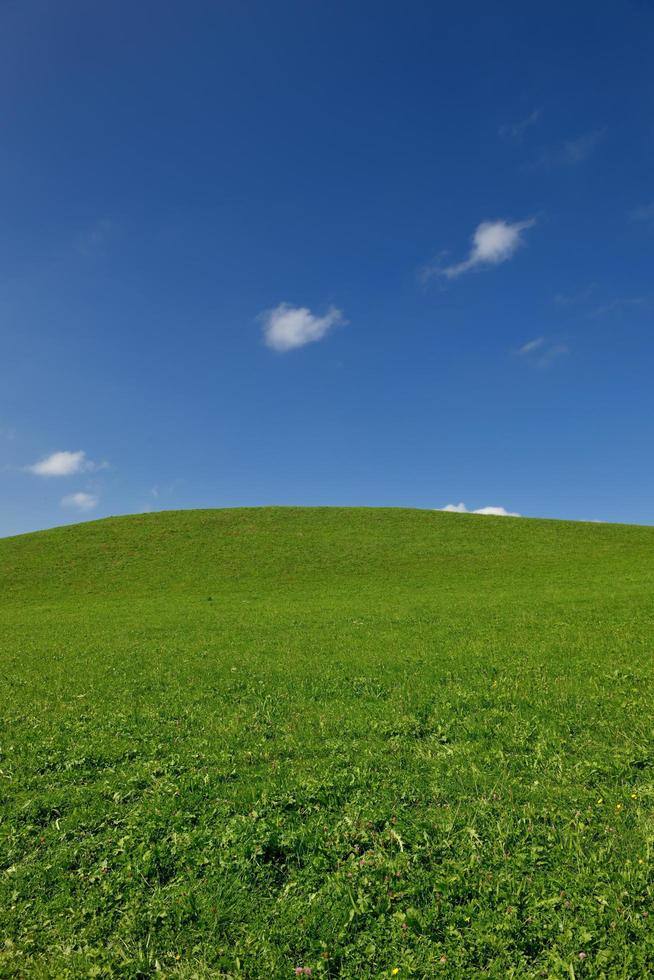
80	500
287	327
491	511
493	242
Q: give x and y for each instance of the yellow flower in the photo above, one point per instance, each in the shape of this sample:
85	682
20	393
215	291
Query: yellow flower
618	806
634	796
395	971
600	801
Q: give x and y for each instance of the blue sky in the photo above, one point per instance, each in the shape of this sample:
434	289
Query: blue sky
326	253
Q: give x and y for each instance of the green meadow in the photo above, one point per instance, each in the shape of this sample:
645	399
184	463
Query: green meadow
351	742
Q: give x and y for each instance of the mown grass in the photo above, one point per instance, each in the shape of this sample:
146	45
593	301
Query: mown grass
235	743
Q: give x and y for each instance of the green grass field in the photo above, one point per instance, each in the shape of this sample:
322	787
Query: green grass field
365	743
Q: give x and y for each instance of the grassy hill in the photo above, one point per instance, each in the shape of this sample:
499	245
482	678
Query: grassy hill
367	743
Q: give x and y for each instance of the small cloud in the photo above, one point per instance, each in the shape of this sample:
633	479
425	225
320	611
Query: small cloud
80	501
96	236
575	299
62	464
579	149
287	327
570	152
531	346
493	242
541	351
165	489
552	353
455	508
621	305
515	131
644	213
616	306
493	511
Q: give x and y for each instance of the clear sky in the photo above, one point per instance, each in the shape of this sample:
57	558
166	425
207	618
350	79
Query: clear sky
350	253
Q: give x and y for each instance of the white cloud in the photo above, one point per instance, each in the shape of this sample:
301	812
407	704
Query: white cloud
514	131
65	463
542	351
462	509
80	500
287	327
60	464
493	242
531	346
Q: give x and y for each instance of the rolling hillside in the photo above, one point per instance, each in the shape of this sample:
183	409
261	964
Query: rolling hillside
355	742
